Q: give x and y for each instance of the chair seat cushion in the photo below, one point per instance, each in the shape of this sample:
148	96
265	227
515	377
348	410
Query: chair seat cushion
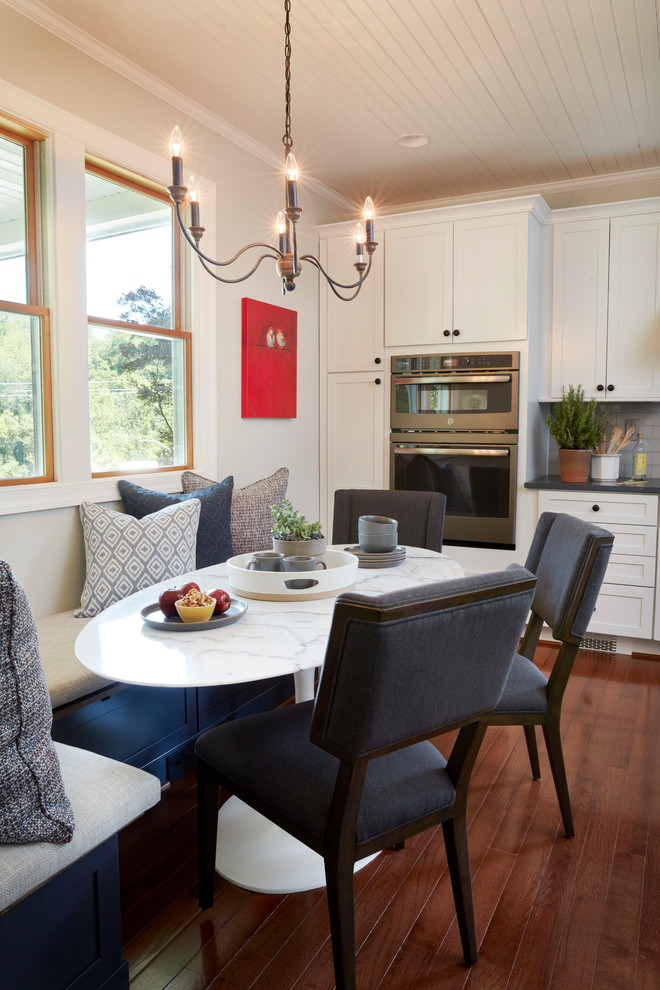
525	689
272	756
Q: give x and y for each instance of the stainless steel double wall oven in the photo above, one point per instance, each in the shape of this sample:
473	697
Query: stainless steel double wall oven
454	429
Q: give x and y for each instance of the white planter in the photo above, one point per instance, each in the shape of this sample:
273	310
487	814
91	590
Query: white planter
605	467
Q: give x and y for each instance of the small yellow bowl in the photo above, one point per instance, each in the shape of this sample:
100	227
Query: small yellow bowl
195	613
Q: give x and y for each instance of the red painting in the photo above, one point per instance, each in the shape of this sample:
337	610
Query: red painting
269	360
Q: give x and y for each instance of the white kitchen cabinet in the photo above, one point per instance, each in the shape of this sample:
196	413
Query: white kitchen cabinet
355	434
453	283
625	606
606	307
351	333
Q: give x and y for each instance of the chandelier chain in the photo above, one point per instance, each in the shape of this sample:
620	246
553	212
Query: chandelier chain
287	140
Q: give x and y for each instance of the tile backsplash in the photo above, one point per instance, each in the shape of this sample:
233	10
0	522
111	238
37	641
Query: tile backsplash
646	415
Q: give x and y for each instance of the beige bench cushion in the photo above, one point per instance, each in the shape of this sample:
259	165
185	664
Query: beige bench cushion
105	795
67	678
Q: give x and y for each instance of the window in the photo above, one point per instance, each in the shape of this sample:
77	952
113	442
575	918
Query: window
26	444
139	357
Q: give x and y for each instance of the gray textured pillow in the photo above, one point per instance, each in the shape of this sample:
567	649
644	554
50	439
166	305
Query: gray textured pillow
125	554
250	508
33	805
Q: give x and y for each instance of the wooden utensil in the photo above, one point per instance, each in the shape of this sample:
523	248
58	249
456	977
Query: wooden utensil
615	439
625	440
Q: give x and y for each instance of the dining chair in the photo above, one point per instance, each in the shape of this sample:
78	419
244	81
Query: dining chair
569	557
354	772
420	515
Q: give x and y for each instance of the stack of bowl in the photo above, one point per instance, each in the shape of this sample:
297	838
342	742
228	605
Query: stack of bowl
377	534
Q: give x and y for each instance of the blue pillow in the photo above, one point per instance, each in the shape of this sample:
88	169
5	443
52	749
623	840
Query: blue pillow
214	531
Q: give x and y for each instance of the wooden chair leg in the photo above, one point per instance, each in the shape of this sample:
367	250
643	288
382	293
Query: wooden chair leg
458	860
556	756
341	908
207	831
533	750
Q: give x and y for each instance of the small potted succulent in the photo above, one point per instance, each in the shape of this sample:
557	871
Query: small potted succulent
577	426
292	534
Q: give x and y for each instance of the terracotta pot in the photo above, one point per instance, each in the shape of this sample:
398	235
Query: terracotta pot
574	465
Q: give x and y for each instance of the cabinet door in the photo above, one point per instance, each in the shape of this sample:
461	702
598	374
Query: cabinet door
490	279
356	434
579	306
351	332
633	343
418	284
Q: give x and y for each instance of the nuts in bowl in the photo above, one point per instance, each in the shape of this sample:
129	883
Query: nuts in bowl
195	606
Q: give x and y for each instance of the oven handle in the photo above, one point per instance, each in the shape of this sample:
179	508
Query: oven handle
451	379
454	451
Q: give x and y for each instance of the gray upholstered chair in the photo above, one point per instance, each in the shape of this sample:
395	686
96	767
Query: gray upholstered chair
353	772
421	515
569	558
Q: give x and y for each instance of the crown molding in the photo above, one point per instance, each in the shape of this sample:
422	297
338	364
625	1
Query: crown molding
84	42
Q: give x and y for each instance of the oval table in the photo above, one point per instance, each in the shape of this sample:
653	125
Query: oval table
270	639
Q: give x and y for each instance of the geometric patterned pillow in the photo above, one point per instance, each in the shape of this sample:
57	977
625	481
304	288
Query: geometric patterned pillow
33	805
251	520
214	531
125	554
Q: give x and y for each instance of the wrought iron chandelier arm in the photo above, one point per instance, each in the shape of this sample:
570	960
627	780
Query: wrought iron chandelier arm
332	282
222	264
234	281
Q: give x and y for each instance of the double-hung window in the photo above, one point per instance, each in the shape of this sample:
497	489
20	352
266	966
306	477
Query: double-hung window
26	437
139	356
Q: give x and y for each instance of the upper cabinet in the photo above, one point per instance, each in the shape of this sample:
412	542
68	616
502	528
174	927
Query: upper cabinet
605	329
458	282
351	332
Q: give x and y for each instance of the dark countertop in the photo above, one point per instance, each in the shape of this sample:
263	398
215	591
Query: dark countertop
553	482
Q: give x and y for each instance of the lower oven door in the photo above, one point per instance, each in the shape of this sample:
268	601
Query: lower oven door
477	477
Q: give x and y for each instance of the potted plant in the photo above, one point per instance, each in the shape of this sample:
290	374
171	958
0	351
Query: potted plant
292	534
577	426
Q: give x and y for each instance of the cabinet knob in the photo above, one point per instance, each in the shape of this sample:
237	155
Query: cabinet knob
376	360
377	381
596	508
457	333
446	333
600	388
610	388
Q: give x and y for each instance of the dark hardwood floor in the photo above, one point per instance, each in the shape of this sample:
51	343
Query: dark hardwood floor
555	913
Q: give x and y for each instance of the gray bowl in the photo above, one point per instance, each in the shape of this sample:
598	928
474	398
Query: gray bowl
378	542
377	524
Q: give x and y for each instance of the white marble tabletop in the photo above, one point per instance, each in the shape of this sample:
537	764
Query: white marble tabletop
272	638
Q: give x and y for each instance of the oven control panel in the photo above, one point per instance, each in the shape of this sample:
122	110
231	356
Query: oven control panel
492	361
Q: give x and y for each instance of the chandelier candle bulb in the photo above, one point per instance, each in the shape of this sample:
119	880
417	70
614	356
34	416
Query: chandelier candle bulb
291	173
369	213
281	232
176	151
193	195
360	238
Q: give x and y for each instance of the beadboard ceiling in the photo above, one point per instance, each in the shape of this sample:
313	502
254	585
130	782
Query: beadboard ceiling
513	94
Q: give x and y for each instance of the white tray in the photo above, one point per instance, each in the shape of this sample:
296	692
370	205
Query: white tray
339	575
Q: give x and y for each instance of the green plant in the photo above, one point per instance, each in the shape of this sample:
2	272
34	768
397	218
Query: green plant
289	524
575	423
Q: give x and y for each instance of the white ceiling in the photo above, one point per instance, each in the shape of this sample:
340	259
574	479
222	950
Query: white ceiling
513	94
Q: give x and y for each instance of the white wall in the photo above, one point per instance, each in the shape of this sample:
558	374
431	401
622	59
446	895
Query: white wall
44	547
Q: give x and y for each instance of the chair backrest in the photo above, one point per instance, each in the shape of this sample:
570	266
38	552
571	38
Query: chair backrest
403	666
569	557
421	515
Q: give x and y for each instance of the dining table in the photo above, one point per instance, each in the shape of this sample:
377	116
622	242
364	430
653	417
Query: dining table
262	639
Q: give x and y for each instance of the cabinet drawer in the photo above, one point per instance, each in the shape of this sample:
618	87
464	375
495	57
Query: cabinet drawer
624	611
637	540
603	508
626	568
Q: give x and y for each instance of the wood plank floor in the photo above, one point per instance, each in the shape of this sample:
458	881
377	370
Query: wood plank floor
552	913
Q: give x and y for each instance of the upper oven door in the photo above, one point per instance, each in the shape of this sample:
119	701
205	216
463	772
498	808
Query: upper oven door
455	401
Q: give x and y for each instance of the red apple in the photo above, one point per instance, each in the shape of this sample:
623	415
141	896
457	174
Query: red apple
191	586
222	600
167	599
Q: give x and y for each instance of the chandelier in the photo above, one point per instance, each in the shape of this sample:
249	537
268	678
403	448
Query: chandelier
285	255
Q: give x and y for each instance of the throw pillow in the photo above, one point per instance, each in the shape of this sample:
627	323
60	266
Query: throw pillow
214	534
33	805
125	554
251	520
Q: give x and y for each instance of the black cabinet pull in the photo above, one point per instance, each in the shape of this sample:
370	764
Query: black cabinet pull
446	333
376	360
610	388
457	333
377	381
596	508
600	388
